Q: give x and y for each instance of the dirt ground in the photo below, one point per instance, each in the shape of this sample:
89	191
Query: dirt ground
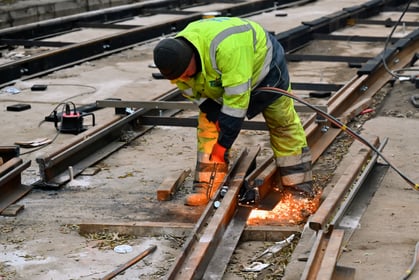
383	247
43	242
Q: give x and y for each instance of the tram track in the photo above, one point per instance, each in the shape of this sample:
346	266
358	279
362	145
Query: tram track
358	91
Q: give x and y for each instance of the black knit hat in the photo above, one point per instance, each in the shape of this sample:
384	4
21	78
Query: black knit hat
172	57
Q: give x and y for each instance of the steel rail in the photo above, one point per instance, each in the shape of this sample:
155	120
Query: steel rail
202	243
69	55
332	234
11	187
320	219
336	222
75	53
359	91
233	232
90	147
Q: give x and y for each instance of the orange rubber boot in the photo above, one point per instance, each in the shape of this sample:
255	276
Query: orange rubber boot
208	179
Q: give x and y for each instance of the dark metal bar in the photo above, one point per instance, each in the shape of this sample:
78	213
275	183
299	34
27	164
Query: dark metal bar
316	87
33	43
107	25
180	105
193	122
387	23
351	38
327	58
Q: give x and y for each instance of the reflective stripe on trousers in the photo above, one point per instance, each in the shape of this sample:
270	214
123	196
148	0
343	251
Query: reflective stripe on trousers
288	142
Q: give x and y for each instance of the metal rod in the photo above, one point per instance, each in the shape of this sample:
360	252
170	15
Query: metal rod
129	263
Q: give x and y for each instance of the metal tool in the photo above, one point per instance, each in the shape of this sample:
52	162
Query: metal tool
276	248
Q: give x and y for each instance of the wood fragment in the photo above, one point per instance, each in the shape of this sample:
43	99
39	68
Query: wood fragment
170	185
146	229
12	210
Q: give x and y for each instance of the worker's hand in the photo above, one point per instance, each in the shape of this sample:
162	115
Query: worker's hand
219	154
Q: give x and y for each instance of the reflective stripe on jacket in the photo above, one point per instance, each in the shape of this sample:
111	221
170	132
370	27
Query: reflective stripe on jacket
235	56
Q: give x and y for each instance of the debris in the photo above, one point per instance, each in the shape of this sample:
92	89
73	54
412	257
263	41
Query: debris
255	267
39	87
123	249
278	246
157	76
34	143
366	111
11	90
414	99
90	171
170	185
107	240
12	210
18	107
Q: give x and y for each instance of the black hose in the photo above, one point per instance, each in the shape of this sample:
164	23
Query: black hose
409	271
343	127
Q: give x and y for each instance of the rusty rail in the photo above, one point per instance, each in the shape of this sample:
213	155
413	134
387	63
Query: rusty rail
11	187
199	248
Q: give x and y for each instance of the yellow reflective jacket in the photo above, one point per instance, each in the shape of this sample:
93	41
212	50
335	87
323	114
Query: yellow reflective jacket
235	56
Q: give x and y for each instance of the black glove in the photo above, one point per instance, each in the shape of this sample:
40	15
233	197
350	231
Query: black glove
211	109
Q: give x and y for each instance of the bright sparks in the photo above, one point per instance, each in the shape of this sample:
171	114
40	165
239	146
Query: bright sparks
290	210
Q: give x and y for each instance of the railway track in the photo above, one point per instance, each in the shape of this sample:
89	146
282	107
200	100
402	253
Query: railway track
122	28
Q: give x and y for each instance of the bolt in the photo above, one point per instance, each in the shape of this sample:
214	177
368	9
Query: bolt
324	129
223	191
364	88
71	173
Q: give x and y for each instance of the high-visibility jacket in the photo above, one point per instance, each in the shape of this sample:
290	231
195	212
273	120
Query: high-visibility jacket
235	56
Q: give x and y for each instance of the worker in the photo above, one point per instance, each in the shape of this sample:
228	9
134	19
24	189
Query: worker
219	63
